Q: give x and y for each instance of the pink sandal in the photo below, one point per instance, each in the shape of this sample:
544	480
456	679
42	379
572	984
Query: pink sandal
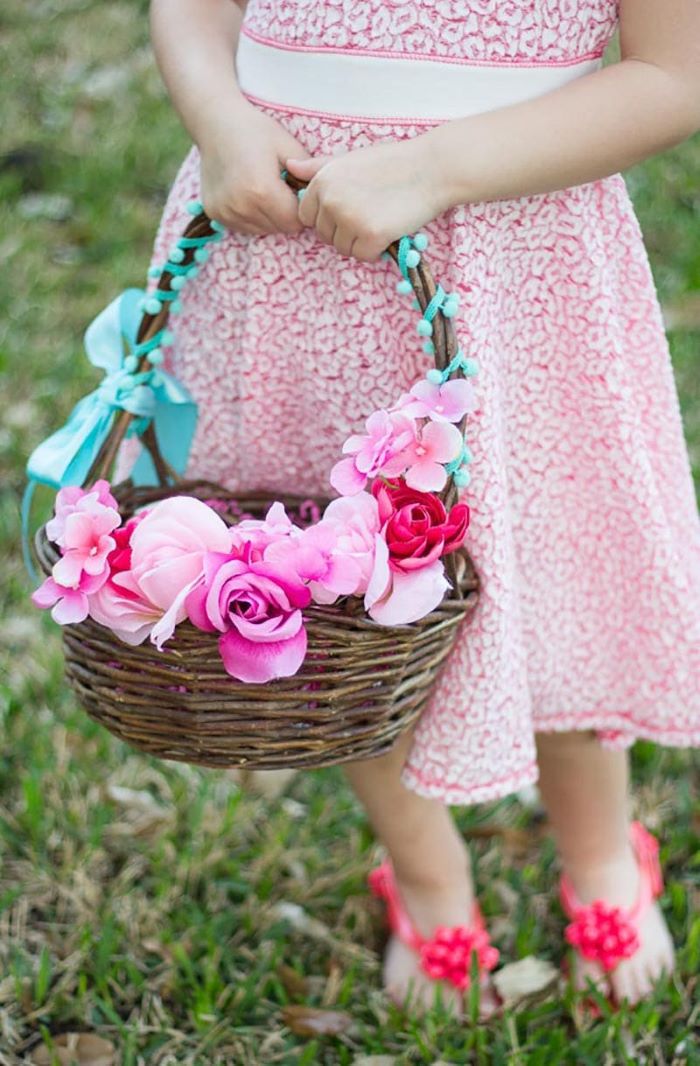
447	954
607	934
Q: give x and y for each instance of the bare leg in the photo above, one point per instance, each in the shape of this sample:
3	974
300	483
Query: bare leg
430	861
585	790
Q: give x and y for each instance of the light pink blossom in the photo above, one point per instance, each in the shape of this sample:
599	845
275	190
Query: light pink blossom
394	597
81	526
380	450
448	402
73	499
69	603
438	443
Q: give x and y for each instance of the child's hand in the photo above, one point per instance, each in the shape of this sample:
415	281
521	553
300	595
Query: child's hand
242	155
361	201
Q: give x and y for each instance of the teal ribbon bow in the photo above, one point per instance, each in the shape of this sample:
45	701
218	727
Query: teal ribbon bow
153	395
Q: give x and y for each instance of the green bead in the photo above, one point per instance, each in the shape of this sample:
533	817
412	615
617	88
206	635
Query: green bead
434	376
424	328
404	287
420	241
412	258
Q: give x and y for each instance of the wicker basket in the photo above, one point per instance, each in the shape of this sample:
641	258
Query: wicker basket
360	686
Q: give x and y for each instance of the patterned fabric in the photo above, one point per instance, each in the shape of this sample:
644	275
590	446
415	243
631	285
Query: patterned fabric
584	522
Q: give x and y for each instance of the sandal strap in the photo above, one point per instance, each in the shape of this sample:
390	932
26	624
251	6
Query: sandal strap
606	932
448	953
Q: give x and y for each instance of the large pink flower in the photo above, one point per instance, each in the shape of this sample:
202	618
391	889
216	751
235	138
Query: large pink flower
394	597
167	556
448	402
120	604
380	450
256	606
438	443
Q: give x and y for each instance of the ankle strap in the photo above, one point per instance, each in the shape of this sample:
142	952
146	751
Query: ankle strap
646	848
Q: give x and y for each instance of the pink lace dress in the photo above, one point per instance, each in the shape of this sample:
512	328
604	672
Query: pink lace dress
584	521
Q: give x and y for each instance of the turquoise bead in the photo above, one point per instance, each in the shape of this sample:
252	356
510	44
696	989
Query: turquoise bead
178	282
168	338
155	357
450	308
467	454
470	367
404	287
461	477
429	347
217	226
155	272
412	257
130	363
153	306
176	255
420	241
434	376
192	272
201	255
176	307
424	328
415	305
301	193
194	207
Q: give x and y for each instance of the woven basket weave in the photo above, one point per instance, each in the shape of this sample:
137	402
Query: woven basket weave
360	686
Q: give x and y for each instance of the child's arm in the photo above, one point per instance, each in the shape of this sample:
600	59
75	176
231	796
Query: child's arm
593	127
242	149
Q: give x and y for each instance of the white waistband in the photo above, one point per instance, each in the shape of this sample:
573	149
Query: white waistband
386	87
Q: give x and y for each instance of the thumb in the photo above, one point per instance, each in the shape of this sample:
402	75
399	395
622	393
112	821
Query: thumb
306	168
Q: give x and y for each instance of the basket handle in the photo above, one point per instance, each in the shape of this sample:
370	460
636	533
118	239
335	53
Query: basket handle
444	339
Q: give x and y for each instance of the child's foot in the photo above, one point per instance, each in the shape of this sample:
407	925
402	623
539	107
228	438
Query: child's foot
430	903
618	884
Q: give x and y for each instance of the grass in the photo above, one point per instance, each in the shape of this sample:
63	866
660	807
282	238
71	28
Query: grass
162	907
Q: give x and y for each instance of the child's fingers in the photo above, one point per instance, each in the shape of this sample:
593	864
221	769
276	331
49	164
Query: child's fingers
325	225
344	239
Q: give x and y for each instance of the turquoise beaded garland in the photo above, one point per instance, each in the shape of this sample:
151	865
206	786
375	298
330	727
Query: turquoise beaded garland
176	255
194	207
424	328
420	241
412	258
434	376
404	287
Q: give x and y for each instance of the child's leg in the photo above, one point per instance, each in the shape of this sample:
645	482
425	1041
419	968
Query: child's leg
430	861
584	788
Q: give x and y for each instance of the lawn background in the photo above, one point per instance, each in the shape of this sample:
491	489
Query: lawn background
155	904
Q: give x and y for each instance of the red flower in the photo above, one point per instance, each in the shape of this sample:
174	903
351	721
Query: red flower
447	956
603	934
417	528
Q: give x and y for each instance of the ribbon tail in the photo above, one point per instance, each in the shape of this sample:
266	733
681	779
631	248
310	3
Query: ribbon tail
27	497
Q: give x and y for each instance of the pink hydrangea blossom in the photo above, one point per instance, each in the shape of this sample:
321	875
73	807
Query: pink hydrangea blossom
256	606
448	402
438	443
81	526
380	450
69	603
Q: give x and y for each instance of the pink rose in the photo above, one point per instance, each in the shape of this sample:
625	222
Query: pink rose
355	521
167	556
416	525
256	606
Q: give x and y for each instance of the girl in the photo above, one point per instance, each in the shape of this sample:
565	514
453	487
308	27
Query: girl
492	125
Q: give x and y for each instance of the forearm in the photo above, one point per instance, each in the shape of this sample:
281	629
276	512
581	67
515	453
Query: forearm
595	126
195	43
